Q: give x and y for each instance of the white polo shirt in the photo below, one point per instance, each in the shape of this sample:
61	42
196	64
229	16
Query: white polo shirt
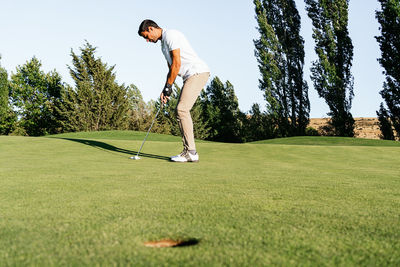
190	63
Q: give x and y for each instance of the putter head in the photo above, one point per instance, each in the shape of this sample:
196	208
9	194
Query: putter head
135	158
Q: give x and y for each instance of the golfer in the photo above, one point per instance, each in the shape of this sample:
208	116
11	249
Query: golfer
183	61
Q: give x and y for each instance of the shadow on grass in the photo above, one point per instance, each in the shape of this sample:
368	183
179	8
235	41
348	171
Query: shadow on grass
188	242
105	146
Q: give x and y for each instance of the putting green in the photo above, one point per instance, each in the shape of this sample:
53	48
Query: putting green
77	199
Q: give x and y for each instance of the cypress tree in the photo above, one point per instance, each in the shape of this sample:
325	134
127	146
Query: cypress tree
3	92
97	102
139	113
280	55
331	73
7	116
385	124
389	42
167	122
258	125
221	112
3	98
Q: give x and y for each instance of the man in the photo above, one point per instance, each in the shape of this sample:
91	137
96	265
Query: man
183	61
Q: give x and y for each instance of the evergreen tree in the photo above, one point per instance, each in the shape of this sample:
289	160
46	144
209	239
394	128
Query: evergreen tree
4	88
384	124
97	102
139	113
167	122
7	116
280	55
4	91
67	108
331	73
221	112
34	95
258	125
201	128
389	41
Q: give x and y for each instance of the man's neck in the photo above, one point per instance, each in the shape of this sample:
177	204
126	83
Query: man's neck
161	34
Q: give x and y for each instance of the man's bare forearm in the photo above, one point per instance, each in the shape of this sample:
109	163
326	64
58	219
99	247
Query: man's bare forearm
174	67
173	73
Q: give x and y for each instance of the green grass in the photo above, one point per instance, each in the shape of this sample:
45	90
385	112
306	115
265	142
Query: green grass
118	135
78	200
328	141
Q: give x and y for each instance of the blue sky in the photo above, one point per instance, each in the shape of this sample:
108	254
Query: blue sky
222	34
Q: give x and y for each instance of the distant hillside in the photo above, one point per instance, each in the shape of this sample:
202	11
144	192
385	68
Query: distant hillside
364	127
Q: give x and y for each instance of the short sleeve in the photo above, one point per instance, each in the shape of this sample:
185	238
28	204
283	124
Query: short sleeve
173	40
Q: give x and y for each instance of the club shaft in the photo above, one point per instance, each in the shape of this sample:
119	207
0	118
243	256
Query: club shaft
148	131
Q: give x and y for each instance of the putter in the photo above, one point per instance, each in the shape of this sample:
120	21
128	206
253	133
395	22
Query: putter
137	155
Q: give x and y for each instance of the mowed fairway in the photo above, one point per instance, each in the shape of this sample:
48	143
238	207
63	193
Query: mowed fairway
78	200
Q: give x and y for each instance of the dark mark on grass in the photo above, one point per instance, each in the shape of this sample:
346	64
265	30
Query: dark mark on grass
169	243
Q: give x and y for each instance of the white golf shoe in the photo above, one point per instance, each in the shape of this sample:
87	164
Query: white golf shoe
185	156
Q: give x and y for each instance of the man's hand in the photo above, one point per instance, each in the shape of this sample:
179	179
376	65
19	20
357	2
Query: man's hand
165	94
164	99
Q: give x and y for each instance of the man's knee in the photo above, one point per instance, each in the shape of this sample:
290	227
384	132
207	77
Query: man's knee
181	111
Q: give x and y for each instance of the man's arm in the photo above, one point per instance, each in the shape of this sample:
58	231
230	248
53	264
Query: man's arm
175	66
173	71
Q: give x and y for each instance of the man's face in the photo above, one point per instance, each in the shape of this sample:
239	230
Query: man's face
150	35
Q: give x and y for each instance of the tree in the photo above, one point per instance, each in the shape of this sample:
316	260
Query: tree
221	112
7	116
139	112
280	55
201	128
385	124
167	122
257	125
331	73
4	88
34	94
97	102
389	42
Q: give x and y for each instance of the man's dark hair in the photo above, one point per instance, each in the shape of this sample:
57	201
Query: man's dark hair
144	26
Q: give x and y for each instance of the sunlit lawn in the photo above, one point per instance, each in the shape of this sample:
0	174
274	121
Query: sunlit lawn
78	200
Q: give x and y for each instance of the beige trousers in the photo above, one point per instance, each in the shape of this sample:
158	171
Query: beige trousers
190	91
